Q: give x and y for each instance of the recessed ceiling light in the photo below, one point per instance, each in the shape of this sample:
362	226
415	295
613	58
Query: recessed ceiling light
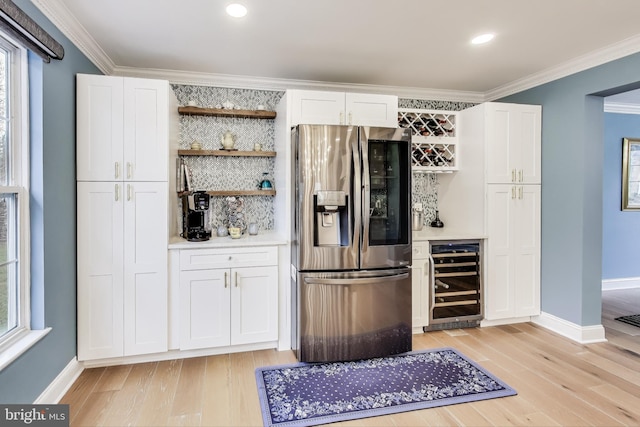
484	38
236	10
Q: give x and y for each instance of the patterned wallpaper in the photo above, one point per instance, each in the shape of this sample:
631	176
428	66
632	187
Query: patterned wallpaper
244	173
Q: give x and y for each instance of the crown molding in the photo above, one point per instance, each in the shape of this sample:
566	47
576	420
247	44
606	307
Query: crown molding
598	57
621	108
263	83
58	13
61	17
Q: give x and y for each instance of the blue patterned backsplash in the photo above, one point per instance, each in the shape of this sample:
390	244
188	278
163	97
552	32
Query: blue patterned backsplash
244	173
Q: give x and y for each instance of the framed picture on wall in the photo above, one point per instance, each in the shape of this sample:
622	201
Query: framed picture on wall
630	174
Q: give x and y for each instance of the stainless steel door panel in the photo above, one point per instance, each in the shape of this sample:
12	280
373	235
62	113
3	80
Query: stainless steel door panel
328	162
379	254
350	316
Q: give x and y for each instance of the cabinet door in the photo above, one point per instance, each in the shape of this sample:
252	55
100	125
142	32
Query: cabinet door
145	267
317	108
513	257
254	305
100	278
204	309
99	127
420	293
499	289
526	250
513	138
529	126
146	137
363	109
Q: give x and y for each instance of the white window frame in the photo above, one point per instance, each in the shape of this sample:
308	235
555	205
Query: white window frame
21	338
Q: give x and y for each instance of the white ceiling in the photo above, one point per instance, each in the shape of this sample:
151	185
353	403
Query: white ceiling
421	44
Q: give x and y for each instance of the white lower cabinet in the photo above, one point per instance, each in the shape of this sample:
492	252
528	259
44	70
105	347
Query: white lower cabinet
228	297
122	269
420	286
513	251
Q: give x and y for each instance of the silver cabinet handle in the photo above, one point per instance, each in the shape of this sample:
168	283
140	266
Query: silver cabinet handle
513	192
236	279
129	170
226	279
341	117
129	192
521	191
117	191
513	175
520	175
350	118
117	172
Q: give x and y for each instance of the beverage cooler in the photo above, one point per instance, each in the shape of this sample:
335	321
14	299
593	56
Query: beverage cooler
456	297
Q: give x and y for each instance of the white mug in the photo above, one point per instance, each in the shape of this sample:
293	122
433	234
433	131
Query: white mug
257	147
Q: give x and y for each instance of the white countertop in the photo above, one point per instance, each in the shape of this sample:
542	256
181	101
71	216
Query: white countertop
444	233
261	239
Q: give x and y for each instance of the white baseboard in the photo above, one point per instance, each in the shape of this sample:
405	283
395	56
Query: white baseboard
177	354
624	283
580	334
61	384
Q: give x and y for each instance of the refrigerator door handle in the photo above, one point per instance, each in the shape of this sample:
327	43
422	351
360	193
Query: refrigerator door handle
366	193
356	190
352	281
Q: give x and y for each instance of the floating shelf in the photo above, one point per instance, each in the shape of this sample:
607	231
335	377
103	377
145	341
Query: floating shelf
234	193
221	112
226	153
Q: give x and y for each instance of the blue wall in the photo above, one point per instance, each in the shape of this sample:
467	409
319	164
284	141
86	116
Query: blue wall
53	204
620	229
572	177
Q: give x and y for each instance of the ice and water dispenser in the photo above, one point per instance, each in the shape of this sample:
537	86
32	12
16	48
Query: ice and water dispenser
331	223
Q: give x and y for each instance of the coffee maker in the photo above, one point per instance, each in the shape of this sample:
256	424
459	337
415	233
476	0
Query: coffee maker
195	217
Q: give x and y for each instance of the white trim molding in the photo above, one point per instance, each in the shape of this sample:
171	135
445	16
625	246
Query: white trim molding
598	57
62	18
624	283
58	13
621	108
61	384
264	83
580	334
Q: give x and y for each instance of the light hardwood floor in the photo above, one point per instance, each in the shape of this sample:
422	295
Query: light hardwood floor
559	382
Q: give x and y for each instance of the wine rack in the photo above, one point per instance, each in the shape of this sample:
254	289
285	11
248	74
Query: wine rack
434	139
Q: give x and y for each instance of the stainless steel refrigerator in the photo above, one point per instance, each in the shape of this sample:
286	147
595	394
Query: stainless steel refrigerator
351	242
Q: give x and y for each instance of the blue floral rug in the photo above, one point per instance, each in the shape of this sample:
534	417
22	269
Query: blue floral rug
306	394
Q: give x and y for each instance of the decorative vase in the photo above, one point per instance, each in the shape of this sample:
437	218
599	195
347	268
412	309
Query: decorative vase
436	222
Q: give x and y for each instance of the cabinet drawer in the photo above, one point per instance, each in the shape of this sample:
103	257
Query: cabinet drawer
200	259
420	250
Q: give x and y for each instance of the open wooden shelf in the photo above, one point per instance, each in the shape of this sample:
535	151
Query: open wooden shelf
234	193
221	112
235	153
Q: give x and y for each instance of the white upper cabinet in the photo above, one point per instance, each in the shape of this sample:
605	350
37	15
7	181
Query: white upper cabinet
340	108
514	141
122	129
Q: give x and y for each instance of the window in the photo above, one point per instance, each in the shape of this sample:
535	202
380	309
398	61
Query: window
14	195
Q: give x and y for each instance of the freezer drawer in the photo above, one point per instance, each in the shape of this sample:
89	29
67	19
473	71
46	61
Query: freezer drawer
350	316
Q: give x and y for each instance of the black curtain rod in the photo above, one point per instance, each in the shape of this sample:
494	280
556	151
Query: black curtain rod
32	36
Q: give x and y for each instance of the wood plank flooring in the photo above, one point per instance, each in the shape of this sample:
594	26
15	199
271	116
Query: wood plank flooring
559	382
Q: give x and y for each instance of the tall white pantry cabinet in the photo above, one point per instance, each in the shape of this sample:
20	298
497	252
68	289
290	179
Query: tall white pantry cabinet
123	179
511	134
